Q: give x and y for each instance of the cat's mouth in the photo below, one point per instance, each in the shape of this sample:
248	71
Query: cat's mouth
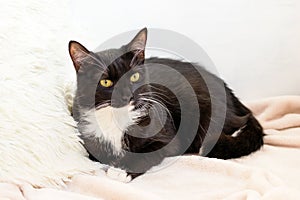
134	112
102	106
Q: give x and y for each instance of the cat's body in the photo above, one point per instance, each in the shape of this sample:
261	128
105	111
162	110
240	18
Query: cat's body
126	139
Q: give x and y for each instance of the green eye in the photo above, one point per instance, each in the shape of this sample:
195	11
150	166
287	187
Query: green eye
135	77
106	83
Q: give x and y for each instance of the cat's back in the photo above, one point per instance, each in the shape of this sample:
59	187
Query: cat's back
183	67
194	73
204	83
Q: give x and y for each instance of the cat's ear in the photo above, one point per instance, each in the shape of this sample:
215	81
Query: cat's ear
78	53
138	45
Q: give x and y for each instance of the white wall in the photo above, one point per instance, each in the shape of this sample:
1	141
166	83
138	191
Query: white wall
255	44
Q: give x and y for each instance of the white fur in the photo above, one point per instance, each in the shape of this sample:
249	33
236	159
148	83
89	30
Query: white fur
118	175
113	122
38	138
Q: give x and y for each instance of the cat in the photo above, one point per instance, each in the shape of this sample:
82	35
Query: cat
129	121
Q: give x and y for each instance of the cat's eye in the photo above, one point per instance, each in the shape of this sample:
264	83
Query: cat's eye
135	77
106	83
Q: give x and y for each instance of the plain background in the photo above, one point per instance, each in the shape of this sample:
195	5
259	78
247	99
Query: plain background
255	44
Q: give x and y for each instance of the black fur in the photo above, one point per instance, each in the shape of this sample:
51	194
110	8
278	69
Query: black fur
115	63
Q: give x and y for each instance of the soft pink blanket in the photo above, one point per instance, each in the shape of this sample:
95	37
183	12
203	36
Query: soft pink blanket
271	173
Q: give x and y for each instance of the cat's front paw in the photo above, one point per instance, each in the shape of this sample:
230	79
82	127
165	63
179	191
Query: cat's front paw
118	174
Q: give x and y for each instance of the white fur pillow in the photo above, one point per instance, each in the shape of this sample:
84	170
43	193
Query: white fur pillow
38	138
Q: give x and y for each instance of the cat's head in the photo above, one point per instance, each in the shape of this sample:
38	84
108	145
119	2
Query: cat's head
117	76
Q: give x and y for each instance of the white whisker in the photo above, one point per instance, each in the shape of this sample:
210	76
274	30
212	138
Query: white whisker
157	102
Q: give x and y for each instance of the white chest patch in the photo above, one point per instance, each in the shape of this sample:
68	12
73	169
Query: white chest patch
113	122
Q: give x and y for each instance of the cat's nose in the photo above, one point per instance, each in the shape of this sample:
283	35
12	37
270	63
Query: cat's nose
127	99
122	101
118	103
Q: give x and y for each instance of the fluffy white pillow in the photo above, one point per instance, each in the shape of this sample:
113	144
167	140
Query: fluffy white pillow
38	138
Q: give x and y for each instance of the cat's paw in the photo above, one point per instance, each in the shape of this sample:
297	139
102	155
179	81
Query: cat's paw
118	174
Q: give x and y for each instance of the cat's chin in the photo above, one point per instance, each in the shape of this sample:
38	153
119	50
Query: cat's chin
113	123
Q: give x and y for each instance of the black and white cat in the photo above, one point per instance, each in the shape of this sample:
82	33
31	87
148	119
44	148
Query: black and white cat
130	110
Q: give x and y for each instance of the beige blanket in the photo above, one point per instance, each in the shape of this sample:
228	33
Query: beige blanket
271	173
